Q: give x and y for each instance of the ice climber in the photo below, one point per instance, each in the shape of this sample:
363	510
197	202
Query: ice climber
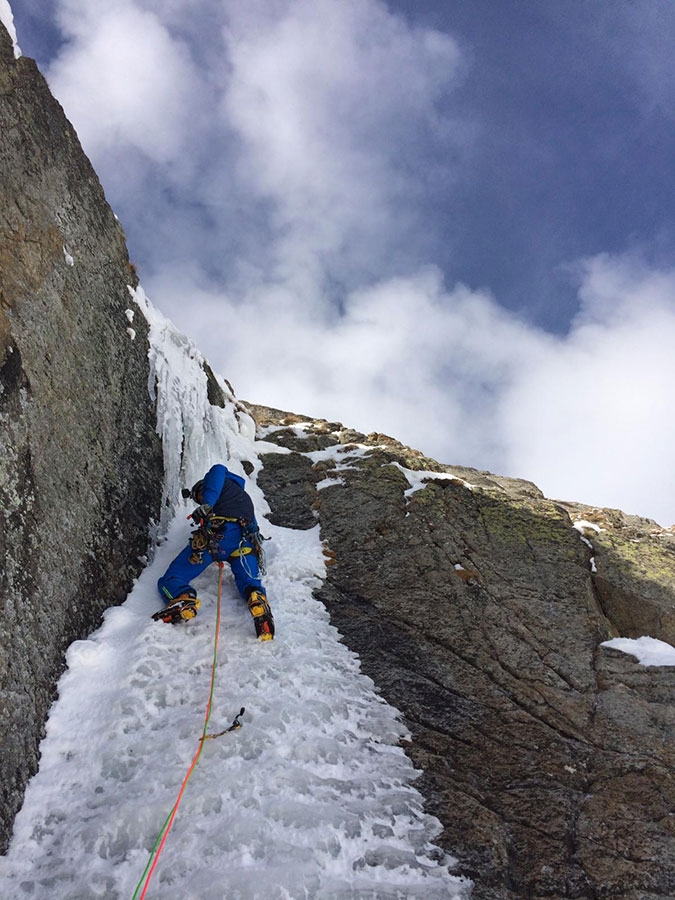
227	531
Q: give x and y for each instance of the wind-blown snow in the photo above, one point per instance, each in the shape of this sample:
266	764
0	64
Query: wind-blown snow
7	19
311	798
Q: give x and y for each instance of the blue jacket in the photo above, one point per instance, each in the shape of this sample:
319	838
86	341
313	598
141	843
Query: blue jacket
226	493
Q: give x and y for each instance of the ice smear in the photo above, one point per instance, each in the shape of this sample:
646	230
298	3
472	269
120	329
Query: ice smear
647	650
195	434
312	798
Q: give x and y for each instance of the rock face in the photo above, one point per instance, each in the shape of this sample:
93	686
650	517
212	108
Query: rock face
478	608
80	463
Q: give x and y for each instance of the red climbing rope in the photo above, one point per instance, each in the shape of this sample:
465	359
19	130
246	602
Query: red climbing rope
166	827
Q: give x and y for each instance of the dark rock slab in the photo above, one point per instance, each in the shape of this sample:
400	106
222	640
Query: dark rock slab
80	464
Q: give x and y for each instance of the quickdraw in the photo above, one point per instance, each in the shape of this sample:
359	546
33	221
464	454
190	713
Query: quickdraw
251	534
233	727
199	542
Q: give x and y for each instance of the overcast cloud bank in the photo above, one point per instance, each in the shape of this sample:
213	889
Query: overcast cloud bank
276	165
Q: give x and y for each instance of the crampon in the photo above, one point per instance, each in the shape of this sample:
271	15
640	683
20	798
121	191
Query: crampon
181	610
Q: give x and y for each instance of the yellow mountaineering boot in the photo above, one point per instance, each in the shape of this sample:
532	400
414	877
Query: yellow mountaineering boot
181	609
262	615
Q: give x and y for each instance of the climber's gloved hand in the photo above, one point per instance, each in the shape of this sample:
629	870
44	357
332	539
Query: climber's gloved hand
202	513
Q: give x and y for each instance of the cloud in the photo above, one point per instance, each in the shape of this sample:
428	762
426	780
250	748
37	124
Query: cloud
587	416
404	356
125	82
274	164
293	128
330	101
592	419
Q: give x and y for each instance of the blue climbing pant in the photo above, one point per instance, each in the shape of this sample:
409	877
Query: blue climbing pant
186	566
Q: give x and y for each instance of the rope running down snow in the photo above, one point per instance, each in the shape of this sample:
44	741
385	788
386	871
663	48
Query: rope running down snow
166	827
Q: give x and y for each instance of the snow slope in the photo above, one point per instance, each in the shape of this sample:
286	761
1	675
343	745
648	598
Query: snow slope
311	798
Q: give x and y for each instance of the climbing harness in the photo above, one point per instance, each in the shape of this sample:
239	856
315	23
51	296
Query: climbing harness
236	724
206	539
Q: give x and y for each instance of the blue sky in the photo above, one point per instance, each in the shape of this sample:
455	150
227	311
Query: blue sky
451	222
580	148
